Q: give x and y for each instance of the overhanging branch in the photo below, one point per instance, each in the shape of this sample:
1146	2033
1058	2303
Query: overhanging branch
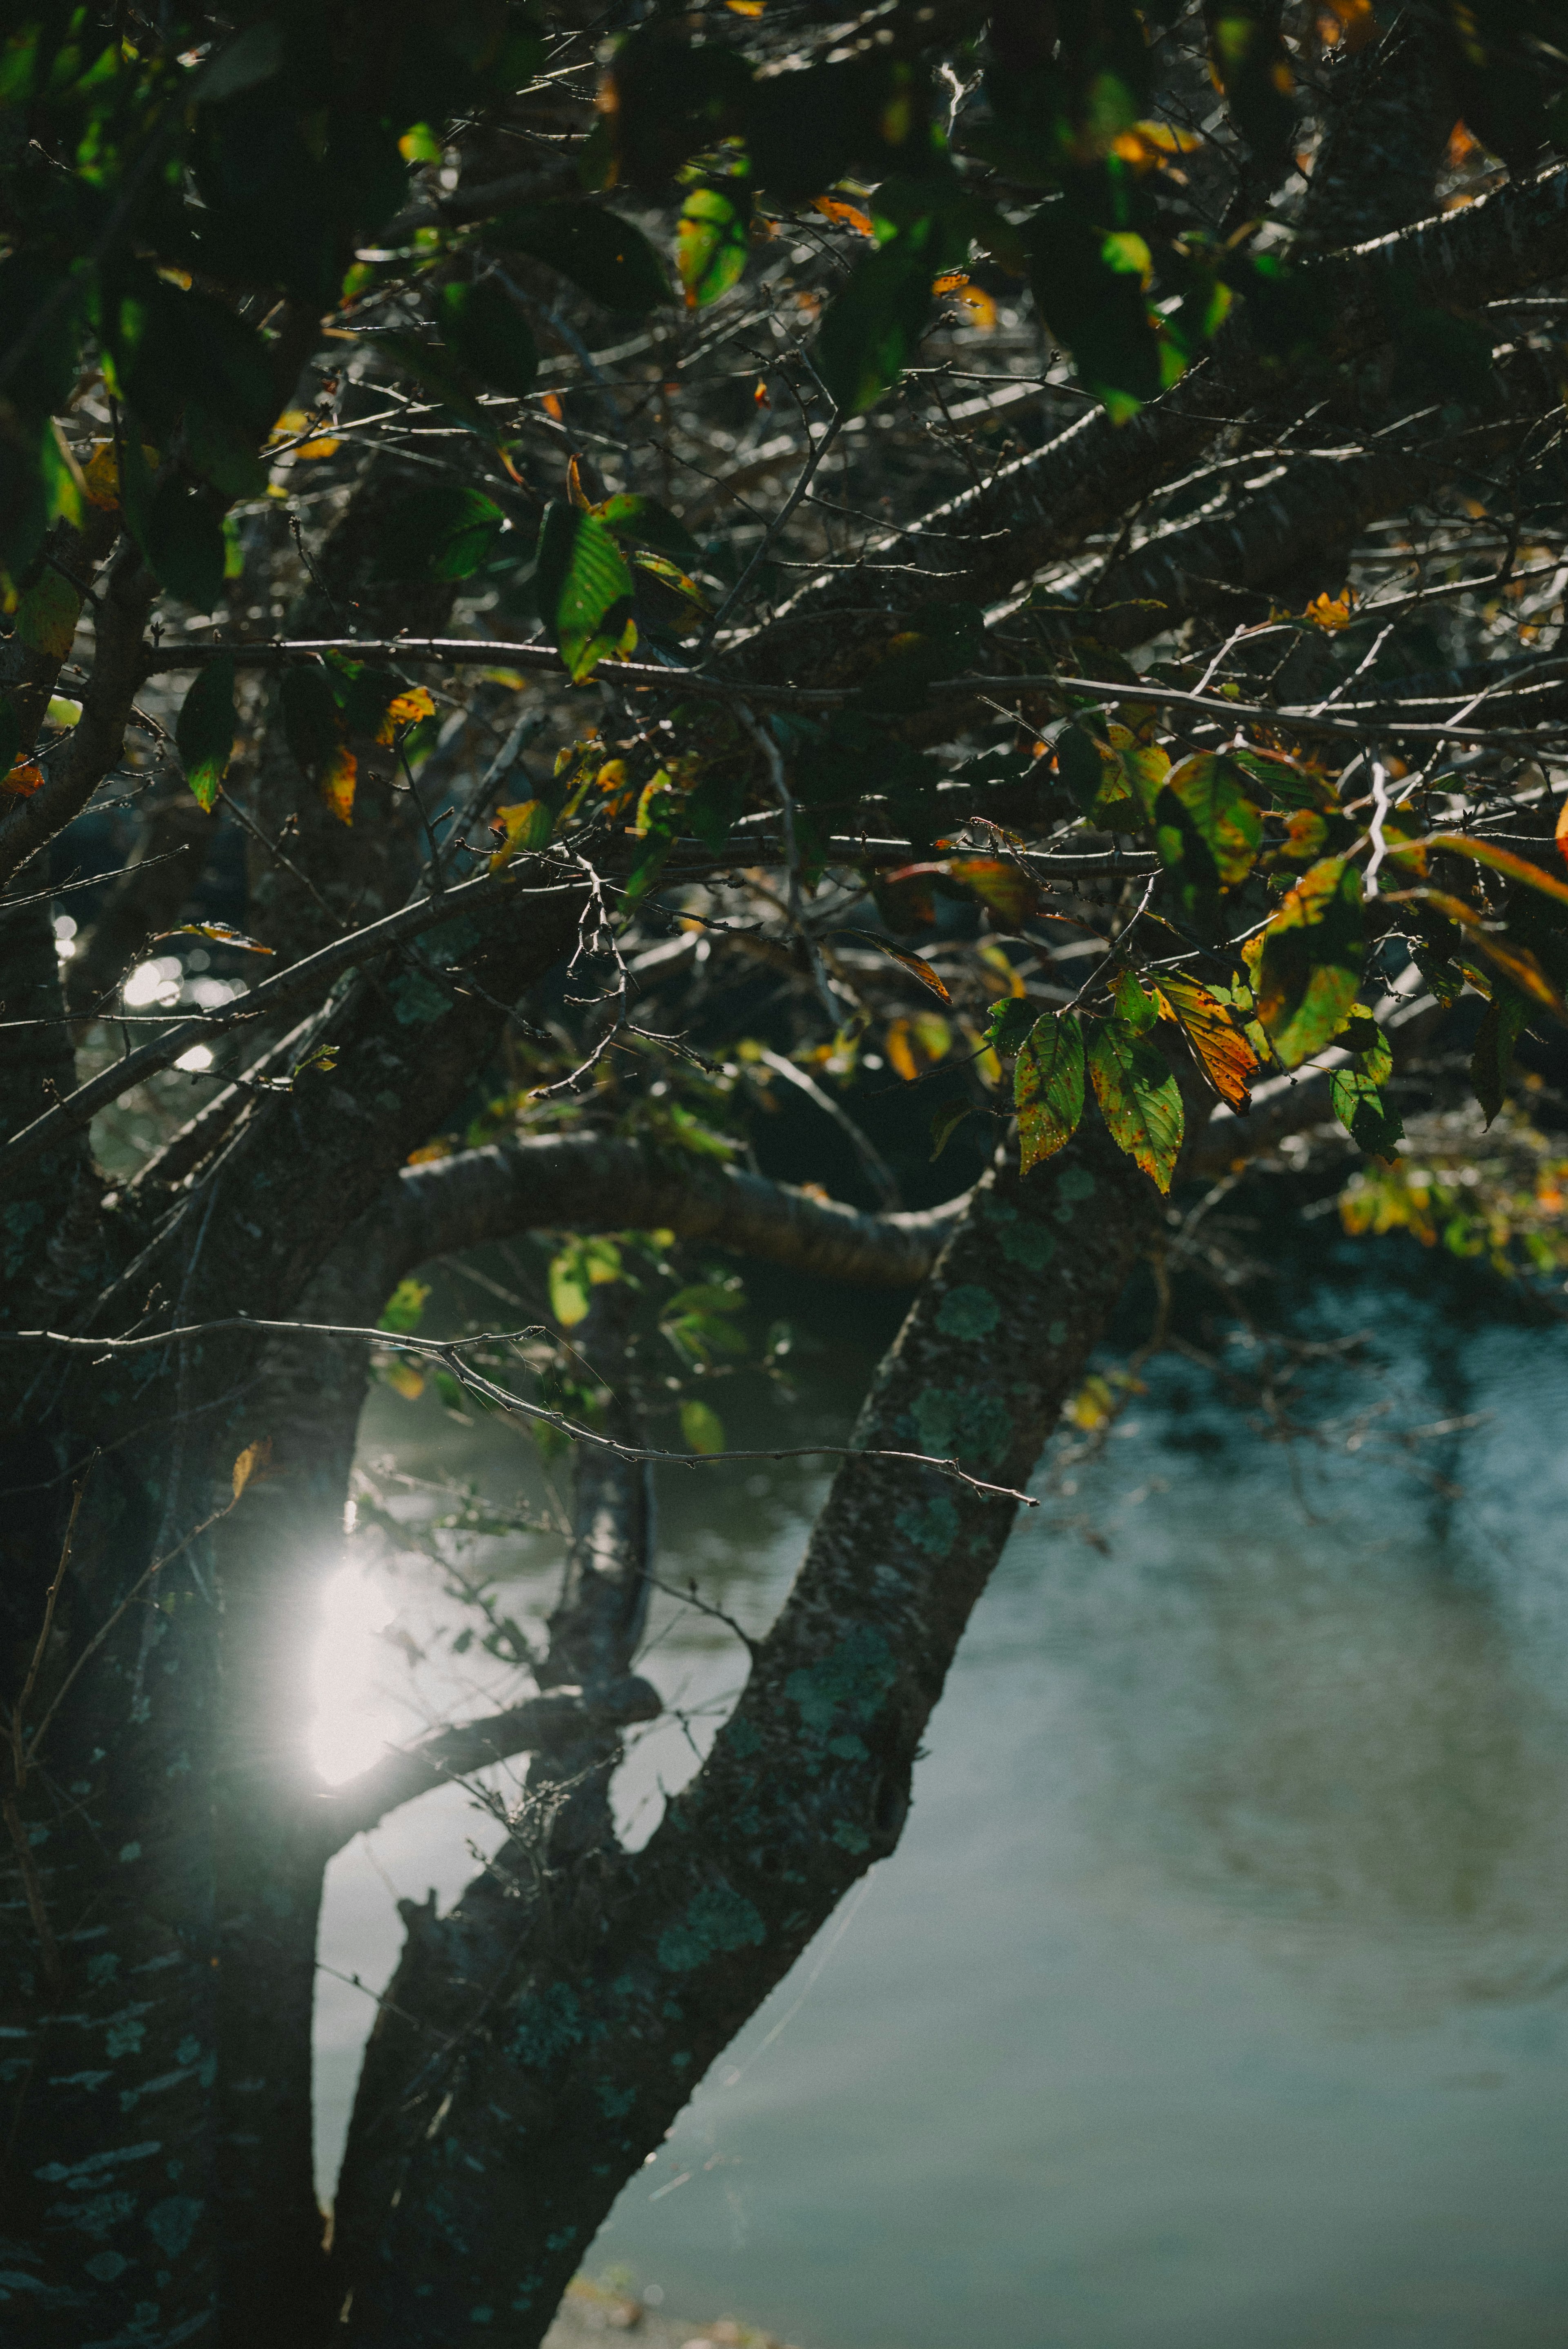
557	1715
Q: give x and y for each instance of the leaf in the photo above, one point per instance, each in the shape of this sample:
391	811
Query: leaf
219	931
644	521
181	535
1358	1106
1498	859
1307	964
1209	786
945	1123
1134	1004
712	240
526	825
405	1307
598	251
486	333
1561	832
251	1462
1138	1097
337	781
313	726
430	364
671	577
1493	1054
1228	1059
584	589
204	732
46	616
404	710
1080	766
1005	887
872	331
1047	1087
1515	962
22	782
914	964
702	1429
1010	1023
569	1296
443	533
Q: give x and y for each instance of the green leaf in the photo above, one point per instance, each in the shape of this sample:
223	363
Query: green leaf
1080	766
1209	789
1047	1087
405	1307
430	364
872	330
945	1123
598	251
47	613
1010	1023
584	589
1358	1106
713	237
486	333
1133	1005
204	732
569	1297
1095	305
1252	64
702	1428
313	726
644	521
182	539
1139	1098
1307	966
443	533
1493	1054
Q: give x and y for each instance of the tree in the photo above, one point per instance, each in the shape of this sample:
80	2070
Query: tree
359	447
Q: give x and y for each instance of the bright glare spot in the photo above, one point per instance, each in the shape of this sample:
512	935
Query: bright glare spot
153	982
64	936
354	1676
199	1056
211	994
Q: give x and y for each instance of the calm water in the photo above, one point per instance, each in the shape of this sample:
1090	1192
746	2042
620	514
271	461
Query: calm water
1217	1997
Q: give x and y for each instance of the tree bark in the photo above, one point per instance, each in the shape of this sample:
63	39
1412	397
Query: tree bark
564	2015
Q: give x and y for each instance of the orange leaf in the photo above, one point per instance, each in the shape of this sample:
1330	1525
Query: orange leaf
1228	1059
23	781
833	208
337	781
406	709
1562	832
914	964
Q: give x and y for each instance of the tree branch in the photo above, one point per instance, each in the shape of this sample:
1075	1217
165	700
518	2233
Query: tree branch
551	1718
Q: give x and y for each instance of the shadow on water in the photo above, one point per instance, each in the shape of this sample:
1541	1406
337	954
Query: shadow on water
1215	1998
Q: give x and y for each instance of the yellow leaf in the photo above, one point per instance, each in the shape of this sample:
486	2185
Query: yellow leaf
337	781
897	1046
101	474
404	1379
251	1462
526	825
1332	612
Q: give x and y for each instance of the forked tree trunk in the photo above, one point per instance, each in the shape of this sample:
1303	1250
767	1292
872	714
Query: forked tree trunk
537	2042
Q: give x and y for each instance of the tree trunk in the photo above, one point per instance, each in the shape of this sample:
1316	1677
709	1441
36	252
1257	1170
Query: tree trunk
537	2042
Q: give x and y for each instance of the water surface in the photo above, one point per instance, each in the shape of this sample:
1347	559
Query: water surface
1217	1996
